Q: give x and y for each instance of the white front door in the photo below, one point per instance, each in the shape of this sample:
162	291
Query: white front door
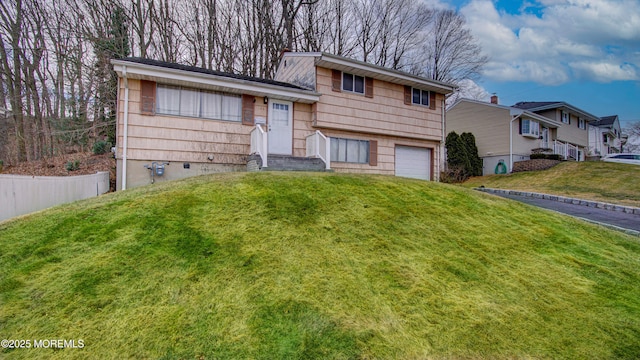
545	138
280	127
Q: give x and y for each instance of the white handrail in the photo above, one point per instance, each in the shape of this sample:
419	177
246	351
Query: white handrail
259	143
319	146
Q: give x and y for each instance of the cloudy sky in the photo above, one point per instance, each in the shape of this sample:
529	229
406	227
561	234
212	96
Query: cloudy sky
584	52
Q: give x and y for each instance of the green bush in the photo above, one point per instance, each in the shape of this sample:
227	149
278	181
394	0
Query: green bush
72	165
545	156
471	150
462	157
101	147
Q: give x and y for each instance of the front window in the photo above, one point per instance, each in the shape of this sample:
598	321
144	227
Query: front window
582	124
350	150
353	83
565	117
184	101
420	97
530	128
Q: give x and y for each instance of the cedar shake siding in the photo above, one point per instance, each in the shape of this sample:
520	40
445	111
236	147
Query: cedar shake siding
153	136
384	160
372	113
385	113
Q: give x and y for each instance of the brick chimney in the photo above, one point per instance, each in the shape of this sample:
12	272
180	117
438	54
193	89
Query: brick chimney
494	99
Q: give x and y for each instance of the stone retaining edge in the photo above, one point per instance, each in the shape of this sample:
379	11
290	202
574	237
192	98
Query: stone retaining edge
569	200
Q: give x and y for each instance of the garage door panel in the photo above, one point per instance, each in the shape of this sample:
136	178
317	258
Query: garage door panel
413	162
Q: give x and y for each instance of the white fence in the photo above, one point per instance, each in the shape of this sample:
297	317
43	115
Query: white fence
25	194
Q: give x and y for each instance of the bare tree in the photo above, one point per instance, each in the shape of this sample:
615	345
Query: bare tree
633	142
141	15
451	52
58	85
11	17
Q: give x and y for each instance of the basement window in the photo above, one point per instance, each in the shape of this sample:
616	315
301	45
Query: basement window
350	150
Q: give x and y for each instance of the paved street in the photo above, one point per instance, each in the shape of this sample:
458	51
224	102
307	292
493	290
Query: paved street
615	218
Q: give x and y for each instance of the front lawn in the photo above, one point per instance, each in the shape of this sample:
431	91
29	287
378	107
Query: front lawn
600	181
316	266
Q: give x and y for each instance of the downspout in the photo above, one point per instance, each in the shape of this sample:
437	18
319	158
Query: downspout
126	128
511	142
444	136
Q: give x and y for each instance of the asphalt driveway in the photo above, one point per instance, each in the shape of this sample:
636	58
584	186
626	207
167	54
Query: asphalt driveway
615	219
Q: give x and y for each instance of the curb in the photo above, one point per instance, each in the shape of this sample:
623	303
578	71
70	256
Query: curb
568	200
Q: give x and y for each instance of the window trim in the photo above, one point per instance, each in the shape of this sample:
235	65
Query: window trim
422	97
353	79
241	108
530	133
367	160
582	124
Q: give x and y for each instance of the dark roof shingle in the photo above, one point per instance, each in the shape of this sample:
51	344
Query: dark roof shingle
200	70
527	105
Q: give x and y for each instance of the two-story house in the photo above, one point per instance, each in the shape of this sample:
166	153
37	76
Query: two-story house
504	134
571	140
507	134
176	121
605	136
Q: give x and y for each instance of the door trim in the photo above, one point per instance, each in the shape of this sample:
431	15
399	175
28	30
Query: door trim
290	130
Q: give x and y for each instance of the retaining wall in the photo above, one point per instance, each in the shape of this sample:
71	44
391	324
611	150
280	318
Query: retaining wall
535	164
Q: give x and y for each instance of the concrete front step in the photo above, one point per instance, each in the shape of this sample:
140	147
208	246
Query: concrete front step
285	163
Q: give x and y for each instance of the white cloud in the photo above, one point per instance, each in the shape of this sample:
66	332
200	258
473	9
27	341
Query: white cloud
588	39
604	71
469	89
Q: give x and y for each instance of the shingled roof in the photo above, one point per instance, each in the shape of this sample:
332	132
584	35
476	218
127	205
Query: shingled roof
607	120
528	105
201	70
536	106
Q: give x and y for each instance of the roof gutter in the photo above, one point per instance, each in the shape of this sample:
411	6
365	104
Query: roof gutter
511	140
145	71
331	61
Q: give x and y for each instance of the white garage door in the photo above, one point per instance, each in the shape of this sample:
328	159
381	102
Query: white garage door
413	162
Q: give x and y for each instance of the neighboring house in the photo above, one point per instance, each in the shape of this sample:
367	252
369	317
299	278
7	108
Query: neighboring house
503	133
571	140
605	136
349	115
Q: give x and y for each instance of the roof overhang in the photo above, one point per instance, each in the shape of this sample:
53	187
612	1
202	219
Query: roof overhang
542	120
570	108
513	111
134	70
377	72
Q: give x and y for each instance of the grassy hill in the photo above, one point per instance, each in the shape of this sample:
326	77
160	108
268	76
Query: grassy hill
301	266
600	181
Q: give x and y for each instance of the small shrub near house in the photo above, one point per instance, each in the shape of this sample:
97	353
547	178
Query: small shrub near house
545	156
72	165
101	147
